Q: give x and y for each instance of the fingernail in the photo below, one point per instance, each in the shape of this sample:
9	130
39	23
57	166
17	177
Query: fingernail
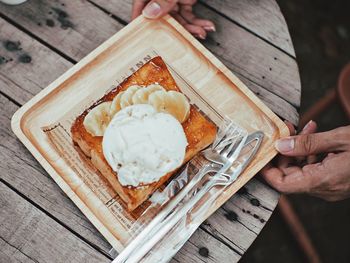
284	145
152	10
307	125
210	28
199	36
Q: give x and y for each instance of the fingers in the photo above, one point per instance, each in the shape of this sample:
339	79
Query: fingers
288	180
197	31
283	161
309	128
187	13
197	27
290	127
181	10
158	8
309	144
137	8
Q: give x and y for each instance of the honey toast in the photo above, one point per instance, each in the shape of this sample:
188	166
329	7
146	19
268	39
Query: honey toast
198	130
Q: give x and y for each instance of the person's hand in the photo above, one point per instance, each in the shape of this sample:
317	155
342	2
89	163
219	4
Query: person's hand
328	179
181	10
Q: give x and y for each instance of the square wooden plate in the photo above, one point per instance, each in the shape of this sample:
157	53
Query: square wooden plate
216	87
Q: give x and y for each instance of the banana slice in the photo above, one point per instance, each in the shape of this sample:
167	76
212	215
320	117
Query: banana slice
126	98
98	118
115	107
141	95
179	105
172	102
158	100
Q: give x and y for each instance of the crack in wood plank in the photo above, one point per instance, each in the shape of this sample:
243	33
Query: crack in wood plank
19	250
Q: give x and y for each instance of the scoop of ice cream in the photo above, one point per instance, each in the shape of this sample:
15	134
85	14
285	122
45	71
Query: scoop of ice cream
142	145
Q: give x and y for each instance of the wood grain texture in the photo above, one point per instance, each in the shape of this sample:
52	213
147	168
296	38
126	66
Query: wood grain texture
19	80
201	243
28	235
73	27
262	17
252	59
19	169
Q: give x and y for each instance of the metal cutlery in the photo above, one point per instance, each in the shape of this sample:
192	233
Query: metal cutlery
223	154
221	178
230	150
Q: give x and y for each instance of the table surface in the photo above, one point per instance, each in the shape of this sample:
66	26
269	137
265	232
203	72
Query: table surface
40	40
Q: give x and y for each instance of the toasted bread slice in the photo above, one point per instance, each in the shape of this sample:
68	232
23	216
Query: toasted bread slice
199	132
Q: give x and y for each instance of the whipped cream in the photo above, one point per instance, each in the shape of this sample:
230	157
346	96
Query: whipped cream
142	145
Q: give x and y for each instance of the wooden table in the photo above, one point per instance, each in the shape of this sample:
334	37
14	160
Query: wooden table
42	39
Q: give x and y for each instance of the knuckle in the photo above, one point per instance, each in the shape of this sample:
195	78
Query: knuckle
307	143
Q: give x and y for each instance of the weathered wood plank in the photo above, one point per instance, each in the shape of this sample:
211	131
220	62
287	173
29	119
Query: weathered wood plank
241	219
263	17
205	249
10	253
119	8
28	235
277	104
252	58
20	170
21	79
73	27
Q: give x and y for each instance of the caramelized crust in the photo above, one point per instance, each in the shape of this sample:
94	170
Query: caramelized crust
199	132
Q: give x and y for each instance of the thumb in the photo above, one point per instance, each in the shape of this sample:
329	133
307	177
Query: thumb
309	144
158	8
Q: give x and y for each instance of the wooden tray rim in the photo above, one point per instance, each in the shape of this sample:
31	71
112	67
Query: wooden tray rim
16	121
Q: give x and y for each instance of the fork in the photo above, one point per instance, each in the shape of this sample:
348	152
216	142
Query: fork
230	153
193	218
213	154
